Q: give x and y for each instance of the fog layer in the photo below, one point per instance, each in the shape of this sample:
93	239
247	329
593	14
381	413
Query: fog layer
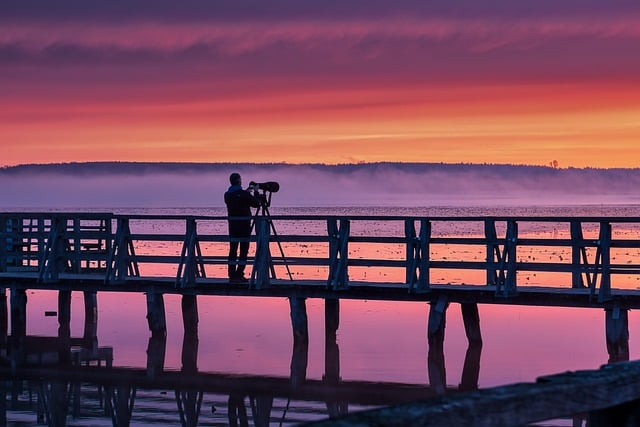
115	185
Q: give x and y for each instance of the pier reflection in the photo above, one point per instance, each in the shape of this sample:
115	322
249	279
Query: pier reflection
64	380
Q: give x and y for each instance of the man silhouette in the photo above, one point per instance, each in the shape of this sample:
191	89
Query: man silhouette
239	203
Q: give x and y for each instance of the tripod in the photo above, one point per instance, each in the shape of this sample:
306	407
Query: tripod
263	210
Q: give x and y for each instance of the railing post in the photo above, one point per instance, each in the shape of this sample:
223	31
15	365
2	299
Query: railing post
417	263
493	251
122	258
511	246
507	284
77	246
577	248
260	273
191	264
423	264
54	258
411	261
605	245
338	253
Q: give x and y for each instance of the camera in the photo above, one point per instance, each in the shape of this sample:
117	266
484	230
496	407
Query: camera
269	186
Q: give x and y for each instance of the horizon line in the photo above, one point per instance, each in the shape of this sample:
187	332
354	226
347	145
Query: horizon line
359	163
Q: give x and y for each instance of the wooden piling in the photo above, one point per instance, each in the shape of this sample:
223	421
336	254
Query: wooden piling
261	409
18	324
435	337
90	335
335	408
471	368
3	403
189	401
4	323
625	415
56	405
156	317
121	399
617	334
190	340
331	349
64	326
156	352
471	319
237	411
300	354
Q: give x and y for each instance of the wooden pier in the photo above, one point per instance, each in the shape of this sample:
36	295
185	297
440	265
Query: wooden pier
330	258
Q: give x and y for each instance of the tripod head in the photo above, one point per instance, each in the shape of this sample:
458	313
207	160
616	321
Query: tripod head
267	188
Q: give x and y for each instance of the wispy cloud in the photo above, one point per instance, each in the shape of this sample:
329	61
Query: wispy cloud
241	38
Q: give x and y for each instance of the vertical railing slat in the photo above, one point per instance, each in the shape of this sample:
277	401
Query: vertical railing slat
605	249
577	246
338	253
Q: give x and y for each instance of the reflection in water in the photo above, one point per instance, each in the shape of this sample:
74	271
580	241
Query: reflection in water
73	381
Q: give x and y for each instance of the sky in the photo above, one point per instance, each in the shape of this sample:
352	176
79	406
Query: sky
496	81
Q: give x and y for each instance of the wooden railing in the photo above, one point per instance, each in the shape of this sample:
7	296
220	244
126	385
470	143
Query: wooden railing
55	244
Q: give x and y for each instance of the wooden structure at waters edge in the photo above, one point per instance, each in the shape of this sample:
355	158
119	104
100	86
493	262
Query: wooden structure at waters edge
103	252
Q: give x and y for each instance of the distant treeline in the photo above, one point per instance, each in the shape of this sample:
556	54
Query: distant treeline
140	168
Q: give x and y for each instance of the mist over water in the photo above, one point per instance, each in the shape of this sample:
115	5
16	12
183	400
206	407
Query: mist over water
321	186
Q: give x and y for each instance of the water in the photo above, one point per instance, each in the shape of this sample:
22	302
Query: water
378	341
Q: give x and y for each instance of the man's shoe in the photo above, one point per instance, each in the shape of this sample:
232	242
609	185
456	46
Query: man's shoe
240	279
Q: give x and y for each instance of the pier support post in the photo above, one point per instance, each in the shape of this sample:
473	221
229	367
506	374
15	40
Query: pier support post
617	333
471	319
4	323
156	352
331	350
189	401
54	394
471	368
90	336
332	354
190	340
156	317
627	414
435	337
121	400
261	407
18	324
157	347
3	403
64	326
300	355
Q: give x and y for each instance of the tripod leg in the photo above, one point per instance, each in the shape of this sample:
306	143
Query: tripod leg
284	259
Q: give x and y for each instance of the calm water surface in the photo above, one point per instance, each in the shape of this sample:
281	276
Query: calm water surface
378	341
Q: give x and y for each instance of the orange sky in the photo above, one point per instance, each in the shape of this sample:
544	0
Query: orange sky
576	125
421	86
